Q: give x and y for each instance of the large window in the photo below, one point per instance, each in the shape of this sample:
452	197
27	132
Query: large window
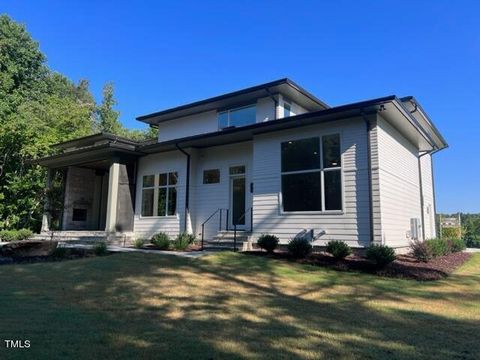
311	174
242	116
159	194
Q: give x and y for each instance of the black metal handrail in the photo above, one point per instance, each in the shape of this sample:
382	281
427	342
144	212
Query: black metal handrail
249	210
220	210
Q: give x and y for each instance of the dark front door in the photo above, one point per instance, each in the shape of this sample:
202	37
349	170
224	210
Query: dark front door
238	200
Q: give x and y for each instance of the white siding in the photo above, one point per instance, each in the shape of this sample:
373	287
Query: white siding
295	109
352	225
399	184
265	109
428	196
207	122
210	197
201	123
156	164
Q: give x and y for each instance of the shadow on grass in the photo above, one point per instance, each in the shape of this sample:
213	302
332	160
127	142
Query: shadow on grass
229	305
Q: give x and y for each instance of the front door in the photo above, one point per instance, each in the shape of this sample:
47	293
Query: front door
237	196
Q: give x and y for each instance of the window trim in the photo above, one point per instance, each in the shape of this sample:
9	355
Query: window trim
322	171
229	110
156	188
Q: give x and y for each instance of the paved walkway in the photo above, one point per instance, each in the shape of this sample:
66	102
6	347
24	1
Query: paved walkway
472	250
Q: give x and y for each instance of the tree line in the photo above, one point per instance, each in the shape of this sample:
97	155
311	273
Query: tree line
40	107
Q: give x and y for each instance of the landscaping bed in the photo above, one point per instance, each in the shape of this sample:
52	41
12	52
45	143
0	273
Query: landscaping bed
60	254
405	266
190	248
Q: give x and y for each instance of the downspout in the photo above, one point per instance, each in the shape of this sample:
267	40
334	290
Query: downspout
187	186
422	201
369	159
433	191
275	102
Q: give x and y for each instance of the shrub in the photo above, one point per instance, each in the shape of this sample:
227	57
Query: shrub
161	241
138	243
421	251
8	235
24	234
268	242
299	247
100	249
183	241
438	247
451	232
456	245
338	249
381	255
15	235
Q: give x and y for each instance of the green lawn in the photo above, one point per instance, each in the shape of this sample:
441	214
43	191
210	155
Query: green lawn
233	306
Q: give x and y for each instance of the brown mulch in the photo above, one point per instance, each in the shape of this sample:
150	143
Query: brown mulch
70	254
190	248
404	267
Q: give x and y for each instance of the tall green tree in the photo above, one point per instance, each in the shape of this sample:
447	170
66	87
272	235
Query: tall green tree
37	109
107	116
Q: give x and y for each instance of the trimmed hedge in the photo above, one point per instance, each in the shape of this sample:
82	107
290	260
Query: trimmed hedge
268	242
299	247
381	255
338	249
15	235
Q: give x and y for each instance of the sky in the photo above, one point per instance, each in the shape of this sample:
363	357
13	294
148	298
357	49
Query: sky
161	54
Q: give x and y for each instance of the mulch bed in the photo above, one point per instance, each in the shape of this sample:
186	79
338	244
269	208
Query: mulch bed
190	248
405	266
70	254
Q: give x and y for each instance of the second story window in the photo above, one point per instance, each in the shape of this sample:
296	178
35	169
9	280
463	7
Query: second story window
241	116
287	110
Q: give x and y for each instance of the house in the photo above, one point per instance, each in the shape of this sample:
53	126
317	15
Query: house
271	158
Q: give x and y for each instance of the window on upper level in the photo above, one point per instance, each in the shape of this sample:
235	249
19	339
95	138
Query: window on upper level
241	116
287	110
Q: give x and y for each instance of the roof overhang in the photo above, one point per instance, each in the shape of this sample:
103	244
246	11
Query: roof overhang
416	111
285	87
99	148
390	108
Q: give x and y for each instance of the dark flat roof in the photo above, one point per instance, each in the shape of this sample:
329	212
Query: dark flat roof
391	108
284	86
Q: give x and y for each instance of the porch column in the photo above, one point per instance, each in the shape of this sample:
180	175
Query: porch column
112	198
47	217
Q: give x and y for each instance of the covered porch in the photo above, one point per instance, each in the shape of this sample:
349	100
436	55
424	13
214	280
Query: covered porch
98	192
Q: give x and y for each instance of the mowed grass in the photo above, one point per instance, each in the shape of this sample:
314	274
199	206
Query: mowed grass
233	306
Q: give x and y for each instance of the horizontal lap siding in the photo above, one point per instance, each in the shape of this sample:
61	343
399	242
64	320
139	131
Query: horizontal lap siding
210	197
399	184
156	164
351	226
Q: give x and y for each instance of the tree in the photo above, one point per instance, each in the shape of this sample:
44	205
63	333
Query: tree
107	116
37	109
